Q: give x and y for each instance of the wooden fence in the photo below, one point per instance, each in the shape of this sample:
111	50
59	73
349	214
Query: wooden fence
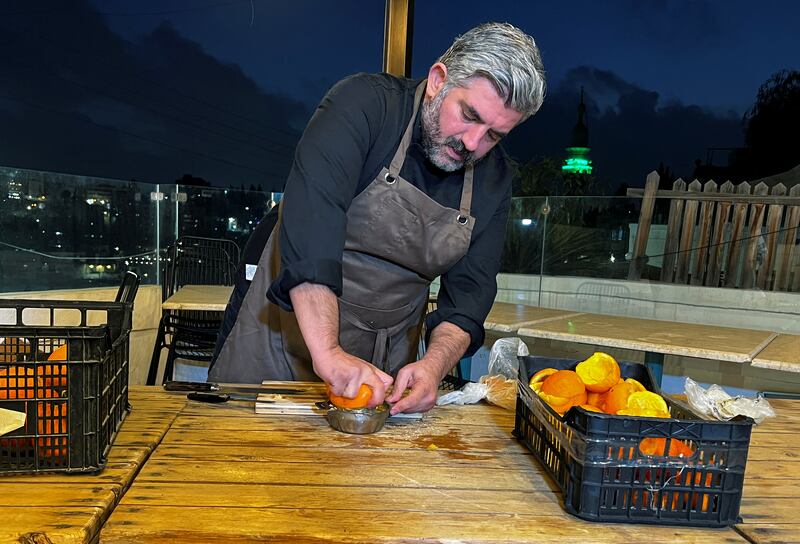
724	236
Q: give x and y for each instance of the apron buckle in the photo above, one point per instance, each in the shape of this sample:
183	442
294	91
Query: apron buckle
389	178
462	219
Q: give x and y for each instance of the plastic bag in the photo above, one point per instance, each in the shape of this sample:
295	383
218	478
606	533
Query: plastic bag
503	359
715	403
499	386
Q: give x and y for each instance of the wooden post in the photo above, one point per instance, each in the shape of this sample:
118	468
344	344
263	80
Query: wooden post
753	237
687	236
706	214
717	251
639	257
739	213
788	243
673	233
398	32
771	236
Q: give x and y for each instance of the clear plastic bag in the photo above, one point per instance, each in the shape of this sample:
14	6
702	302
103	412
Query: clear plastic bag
715	403
499	386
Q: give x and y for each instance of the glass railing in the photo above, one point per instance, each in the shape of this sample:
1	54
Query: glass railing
61	231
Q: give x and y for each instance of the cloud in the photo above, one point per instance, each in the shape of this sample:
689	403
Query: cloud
77	98
630	130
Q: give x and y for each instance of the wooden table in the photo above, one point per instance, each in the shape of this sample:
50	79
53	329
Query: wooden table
783	353
199	297
223	473
656	338
772	478
72	507
508	317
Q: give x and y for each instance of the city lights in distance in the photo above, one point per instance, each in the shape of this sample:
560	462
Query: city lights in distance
526	222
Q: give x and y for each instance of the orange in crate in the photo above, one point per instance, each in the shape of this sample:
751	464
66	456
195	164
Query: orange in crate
617	397
17	382
562	390
645	404
599	373
52	419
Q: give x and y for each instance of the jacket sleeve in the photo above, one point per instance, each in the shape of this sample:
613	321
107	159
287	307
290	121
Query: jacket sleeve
321	185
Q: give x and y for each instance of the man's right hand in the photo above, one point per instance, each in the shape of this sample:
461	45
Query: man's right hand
345	373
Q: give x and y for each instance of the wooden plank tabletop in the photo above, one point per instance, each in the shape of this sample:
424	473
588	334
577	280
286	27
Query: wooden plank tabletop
223	473
508	317
199	297
669	337
772	478
783	353
53	507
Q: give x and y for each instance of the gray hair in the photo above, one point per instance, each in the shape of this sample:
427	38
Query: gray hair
504	55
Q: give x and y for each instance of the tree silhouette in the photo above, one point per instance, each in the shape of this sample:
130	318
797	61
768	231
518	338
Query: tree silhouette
771	126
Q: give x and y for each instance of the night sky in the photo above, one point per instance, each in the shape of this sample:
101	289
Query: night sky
220	89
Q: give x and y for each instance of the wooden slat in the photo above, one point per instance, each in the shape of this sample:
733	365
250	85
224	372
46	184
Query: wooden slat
717	251
787	245
754	236
643	230
673	233
764	281
706	216
732	269
687	235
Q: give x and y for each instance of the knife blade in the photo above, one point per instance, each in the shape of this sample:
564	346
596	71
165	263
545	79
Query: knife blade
207	387
217	398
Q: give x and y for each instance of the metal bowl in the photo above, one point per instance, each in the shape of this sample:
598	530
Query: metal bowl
362	421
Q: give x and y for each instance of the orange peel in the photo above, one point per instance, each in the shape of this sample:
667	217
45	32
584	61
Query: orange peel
599	373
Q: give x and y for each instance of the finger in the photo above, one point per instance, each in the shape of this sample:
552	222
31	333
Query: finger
408	403
400	384
384	377
352	387
378	392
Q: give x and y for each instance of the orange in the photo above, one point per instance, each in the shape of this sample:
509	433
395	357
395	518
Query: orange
591	408
596	399
52	420
645	404
540	376
656	447
59	354
17	382
617	397
562	390
637	385
359	401
599	373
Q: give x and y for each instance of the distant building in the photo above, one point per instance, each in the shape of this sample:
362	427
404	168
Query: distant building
578	161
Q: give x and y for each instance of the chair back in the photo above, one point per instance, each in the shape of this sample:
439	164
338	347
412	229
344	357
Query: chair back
199	261
128	288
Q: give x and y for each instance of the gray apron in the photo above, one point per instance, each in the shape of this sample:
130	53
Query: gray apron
398	240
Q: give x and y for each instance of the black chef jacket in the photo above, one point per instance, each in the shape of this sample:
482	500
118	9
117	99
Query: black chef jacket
354	133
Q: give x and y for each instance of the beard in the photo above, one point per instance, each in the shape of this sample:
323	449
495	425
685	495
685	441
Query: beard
434	145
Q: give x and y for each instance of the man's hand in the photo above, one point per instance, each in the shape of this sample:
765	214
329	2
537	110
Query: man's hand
447	346
317	312
345	373
423	380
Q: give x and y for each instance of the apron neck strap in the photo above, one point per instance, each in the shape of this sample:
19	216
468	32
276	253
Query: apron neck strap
400	156
405	142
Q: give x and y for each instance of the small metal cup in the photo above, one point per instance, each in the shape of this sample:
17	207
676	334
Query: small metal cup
362	421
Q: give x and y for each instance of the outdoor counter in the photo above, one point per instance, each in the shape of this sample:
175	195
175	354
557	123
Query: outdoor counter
224	473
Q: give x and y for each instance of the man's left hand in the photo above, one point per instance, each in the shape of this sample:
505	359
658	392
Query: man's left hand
422	378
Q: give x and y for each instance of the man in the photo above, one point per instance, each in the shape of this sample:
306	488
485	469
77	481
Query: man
380	201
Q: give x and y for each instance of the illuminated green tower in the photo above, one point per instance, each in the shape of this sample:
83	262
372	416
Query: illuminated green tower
578	161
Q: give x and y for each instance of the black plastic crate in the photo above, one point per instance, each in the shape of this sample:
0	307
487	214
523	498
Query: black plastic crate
74	405
598	462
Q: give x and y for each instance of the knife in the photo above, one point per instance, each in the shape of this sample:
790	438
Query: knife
206	387
217	398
